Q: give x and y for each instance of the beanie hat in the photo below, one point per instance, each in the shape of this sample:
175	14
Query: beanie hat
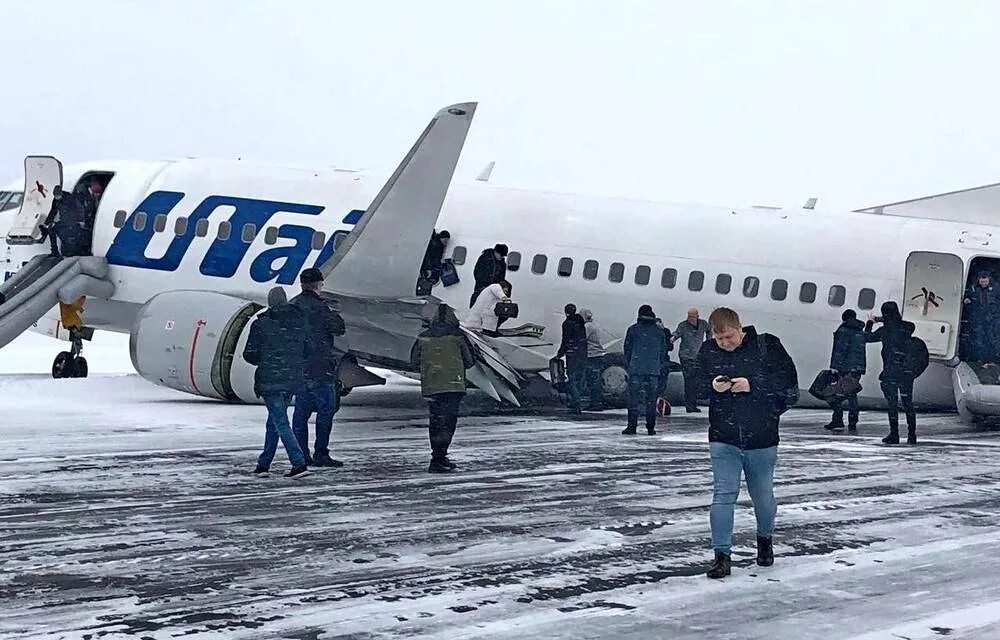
646	311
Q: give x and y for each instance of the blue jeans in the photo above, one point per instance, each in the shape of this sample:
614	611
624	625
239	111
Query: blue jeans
278	427
576	384
728	462
322	399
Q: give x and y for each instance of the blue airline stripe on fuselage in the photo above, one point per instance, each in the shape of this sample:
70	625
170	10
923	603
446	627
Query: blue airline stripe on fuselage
224	256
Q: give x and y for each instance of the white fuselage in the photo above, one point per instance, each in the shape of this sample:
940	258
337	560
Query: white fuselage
633	242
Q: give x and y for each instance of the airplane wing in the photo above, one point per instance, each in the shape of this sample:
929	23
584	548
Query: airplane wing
381	256
978	205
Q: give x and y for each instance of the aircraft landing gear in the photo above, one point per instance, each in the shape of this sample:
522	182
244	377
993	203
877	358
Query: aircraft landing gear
70	364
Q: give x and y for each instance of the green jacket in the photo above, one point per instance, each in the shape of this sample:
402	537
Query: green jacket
442	354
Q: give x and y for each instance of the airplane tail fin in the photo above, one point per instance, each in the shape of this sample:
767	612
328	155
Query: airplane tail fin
382	255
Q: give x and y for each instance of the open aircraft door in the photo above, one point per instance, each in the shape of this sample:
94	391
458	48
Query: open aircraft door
932	300
42	174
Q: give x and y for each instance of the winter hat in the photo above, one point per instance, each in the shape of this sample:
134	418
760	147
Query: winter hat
310	276
501	249
890	311
646	311
276	296
848	315
586	314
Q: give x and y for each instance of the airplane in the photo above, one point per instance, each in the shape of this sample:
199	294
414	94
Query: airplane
185	251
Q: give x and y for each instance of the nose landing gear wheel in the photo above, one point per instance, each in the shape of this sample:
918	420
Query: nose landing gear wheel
64	366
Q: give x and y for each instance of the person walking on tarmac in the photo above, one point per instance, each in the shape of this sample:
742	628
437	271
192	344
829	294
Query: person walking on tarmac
491	268
897	378
848	360
752	380
442	354
595	361
982	303
574	348
277	347
645	351
691	333
319	393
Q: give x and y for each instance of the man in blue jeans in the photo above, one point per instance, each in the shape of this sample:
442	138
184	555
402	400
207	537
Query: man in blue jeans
752	379
277	347
319	392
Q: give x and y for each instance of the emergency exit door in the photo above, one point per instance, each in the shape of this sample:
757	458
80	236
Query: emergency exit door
932	300
42	174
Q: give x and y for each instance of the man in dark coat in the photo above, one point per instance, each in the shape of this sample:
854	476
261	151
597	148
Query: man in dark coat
491	268
66	225
848	360
749	376
897	378
430	269
442	354
645	351
982	310
319	393
277	347
574	348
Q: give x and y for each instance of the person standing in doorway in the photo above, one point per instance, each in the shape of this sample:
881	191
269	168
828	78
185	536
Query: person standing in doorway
848	360
749	376
692	333
982	305
442	354
319	393
277	347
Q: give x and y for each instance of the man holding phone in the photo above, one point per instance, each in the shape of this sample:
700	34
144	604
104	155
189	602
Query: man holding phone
751	377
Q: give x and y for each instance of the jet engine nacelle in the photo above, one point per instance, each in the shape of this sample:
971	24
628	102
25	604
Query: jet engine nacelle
193	341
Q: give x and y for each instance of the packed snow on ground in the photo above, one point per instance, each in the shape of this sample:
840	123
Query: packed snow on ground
128	511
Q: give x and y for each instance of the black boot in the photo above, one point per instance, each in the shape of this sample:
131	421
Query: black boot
722	567
629	431
651	429
438	465
893	437
765	552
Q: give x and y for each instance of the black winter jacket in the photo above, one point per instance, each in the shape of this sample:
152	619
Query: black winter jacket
747	420
277	347
895	338
645	348
574	342
489	270
324	325
849	348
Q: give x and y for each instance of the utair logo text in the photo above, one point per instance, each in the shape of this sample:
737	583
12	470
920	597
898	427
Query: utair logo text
228	250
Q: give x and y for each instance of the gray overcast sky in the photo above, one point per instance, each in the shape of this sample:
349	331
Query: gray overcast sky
719	102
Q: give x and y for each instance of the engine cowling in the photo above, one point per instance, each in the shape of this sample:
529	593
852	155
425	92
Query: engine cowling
193	341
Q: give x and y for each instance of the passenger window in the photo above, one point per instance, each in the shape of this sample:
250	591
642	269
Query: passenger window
458	255
565	268
668	280
696	281
590	268
139	222
319	240
779	289
539	264
866	299
807	293
201	229
120	216
642	275
160	223
225	230
271	235
723	283
513	261
249	232
617	272
181	226
751	287
838	295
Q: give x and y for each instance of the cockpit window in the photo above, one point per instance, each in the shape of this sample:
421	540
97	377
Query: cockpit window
10	199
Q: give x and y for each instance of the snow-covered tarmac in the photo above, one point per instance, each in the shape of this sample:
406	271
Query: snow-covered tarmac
128	511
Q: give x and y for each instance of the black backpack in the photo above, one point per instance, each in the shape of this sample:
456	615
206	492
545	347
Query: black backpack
917	356
788	397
